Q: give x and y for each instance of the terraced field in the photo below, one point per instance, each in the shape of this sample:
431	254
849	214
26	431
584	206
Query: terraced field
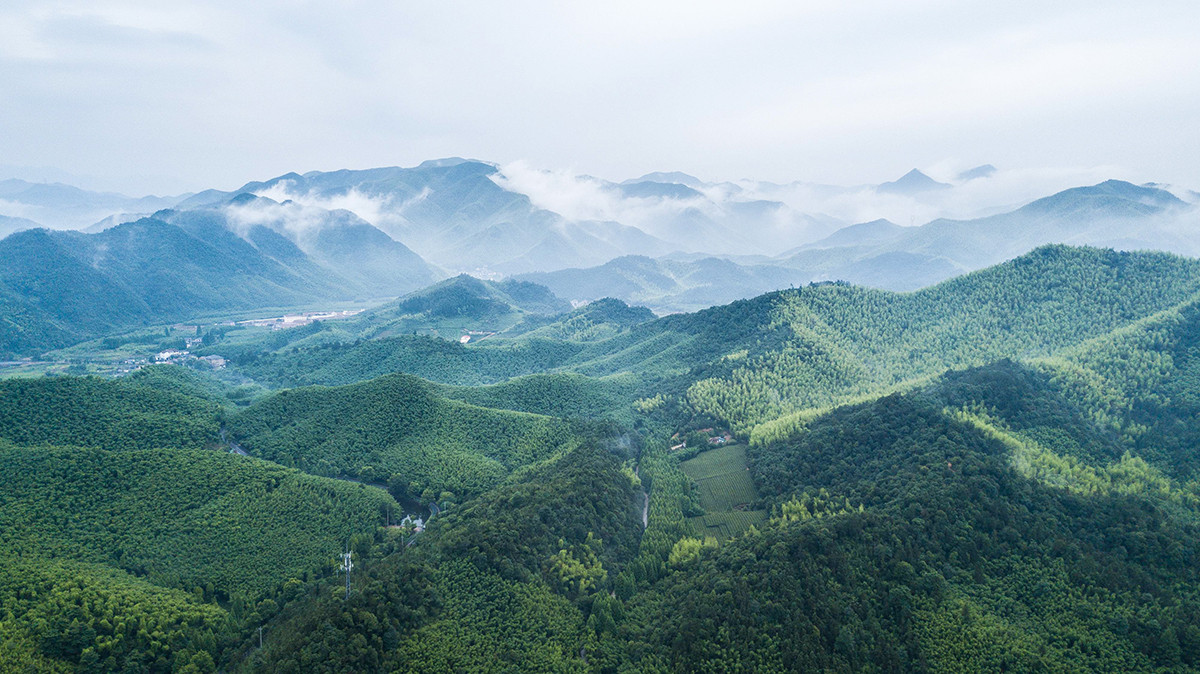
723	476
727	524
726	490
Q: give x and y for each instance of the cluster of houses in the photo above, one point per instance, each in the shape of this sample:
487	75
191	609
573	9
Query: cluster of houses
417	522
715	439
474	336
296	320
179	356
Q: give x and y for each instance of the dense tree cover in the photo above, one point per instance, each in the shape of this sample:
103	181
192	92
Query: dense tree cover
439	360
672	499
322	631
565	395
956	561
179	379
489	624
493	585
753	361
1144	383
67	286
63	616
845	341
396	425
135	274
592	322
467	297
26	329
217	524
516	528
1034	514
141	412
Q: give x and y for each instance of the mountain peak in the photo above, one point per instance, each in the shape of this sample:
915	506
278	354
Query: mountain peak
446	162
1117	197
677	177
912	182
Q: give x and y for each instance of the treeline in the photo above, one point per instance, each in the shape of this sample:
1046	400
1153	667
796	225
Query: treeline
426	357
568	396
596	321
756	360
1143	383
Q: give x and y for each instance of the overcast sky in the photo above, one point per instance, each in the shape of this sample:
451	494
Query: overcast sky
174	96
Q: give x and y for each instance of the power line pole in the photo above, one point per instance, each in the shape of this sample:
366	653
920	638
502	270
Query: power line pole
347	566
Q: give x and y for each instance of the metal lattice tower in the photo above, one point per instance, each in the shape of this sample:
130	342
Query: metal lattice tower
347	566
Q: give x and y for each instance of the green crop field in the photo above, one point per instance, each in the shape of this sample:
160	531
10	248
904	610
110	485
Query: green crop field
727	524
725	484
724	492
723	476
714	462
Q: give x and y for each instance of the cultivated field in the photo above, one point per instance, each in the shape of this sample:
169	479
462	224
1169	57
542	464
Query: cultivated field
726	489
727	524
723	476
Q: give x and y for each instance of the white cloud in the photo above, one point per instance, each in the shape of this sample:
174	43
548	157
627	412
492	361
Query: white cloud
372	209
577	197
1004	190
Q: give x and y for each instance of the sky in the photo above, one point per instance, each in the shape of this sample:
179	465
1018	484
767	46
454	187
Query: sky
153	97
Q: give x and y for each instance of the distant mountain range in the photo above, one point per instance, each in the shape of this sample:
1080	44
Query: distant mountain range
66	207
467	216
1112	214
669	241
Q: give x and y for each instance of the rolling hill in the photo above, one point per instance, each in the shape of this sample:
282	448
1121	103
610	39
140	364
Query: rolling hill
755	360
396	426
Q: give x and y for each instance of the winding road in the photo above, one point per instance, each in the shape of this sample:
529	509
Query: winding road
234	448
434	510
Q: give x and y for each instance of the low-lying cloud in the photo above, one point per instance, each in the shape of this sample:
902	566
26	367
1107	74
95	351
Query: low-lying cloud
369	208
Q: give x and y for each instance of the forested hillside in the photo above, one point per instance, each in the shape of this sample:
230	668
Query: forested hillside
71	286
181	518
997	473
843	341
114	414
982	517
397	426
462	303
513	580
148	558
754	360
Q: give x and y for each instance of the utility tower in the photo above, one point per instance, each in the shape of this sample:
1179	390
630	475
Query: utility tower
347	566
